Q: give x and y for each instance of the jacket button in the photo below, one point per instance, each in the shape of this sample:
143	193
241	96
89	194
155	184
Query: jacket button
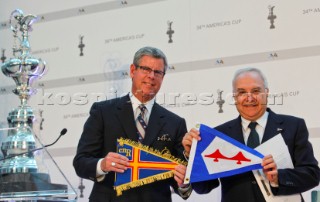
254	182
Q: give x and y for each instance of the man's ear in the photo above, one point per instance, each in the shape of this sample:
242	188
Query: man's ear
266	90
132	70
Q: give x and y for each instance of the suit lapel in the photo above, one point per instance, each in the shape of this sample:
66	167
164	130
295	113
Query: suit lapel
273	127
156	122
126	118
235	128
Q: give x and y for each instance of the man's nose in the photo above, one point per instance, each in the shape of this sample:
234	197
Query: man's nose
151	74
250	97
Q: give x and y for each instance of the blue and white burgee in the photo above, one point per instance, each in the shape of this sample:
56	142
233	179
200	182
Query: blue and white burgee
218	155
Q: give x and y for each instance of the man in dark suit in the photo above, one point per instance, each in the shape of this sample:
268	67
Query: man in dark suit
96	157
250	90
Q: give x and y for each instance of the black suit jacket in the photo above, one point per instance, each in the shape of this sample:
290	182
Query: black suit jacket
112	119
304	176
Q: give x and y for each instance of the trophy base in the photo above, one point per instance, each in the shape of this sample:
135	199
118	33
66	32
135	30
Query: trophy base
26	182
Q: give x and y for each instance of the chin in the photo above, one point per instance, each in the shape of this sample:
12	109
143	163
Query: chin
149	91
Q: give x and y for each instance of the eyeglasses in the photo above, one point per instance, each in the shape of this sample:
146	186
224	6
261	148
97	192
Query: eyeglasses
148	70
254	92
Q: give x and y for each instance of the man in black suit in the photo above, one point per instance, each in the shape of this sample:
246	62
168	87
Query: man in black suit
96	157
250	90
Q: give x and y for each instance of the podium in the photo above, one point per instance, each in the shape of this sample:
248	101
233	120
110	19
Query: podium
32	175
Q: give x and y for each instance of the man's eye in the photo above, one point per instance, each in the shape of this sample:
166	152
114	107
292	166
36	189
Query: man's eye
256	91
146	68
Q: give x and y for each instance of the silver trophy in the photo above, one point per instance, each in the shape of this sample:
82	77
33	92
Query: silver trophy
21	171
24	69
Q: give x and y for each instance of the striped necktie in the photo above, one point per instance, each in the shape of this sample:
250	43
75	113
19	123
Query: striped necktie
253	139
141	122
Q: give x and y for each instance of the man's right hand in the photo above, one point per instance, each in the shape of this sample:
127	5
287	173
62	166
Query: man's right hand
187	140
114	162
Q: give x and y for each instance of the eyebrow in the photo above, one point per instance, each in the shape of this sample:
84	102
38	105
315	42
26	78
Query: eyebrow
151	68
242	89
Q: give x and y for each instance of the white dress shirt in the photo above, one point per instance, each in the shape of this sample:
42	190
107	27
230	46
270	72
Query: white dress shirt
260	128
135	107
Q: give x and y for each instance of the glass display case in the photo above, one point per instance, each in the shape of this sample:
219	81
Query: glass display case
27	170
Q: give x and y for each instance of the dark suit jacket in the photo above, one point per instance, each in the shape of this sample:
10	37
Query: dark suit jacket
304	176
113	119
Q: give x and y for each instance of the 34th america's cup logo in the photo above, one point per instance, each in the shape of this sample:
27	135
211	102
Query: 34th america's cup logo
81	187
170	31
220	101
271	17
3	57
81	45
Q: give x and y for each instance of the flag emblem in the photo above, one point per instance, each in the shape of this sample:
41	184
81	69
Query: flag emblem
146	165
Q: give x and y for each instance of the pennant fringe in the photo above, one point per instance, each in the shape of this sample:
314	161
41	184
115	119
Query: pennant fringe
119	189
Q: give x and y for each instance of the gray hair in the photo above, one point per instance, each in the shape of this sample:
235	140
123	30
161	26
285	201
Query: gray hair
246	70
150	51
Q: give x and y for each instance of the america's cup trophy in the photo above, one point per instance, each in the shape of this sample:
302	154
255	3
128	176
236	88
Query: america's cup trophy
19	170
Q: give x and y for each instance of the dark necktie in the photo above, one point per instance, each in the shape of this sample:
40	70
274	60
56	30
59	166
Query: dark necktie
141	123
253	139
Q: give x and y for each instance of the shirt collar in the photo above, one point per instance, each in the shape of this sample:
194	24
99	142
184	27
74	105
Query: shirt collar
135	102
262	121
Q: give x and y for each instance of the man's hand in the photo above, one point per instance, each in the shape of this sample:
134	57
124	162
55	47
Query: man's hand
270	169
184	190
187	140
114	162
179	174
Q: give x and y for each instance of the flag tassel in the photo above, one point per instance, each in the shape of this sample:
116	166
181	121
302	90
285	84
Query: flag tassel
124	187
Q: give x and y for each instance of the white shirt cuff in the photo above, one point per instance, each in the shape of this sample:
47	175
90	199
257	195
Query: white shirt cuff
185	191
100	174
185	156
275	185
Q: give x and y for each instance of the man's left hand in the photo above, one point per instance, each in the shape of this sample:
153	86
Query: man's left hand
270	169
179	174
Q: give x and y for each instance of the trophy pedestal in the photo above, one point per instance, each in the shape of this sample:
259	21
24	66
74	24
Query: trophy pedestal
18	182
21	185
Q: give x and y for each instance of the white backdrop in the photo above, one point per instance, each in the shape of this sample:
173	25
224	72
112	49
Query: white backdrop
211	40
